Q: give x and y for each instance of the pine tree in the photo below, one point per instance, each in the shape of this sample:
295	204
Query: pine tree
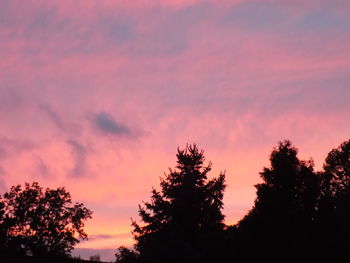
183	221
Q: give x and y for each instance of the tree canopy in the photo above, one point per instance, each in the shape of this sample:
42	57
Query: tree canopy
285	205
39	222
185	215
334	201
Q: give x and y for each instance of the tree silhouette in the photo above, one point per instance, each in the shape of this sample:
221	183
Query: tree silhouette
41	222
3	231
183	221
285	207
334	204
125	255
337	169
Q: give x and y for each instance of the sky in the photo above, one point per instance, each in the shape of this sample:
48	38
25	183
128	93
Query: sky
97	96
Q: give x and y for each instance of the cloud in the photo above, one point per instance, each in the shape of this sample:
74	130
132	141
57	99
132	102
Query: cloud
12	147
109	236
106	124
53	116
233	76
79	154
2	180
41	167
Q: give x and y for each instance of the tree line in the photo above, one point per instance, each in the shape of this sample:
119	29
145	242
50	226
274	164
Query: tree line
298	214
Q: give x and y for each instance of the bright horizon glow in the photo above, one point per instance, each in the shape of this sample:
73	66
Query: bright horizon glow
97	96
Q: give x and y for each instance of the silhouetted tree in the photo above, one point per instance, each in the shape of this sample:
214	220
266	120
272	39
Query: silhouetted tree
183	221
125	255
3	231
281	220
41	222
298	214
337	168
334	203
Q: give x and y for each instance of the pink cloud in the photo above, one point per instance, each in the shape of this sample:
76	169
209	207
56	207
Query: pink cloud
172	72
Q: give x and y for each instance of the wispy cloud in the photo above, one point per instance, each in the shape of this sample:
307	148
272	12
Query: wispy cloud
53	116
233	76
109	236
41	168
106	124
79	154
2	179
12	147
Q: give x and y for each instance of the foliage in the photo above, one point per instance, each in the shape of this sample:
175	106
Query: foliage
334	209
337	171
285	207
290	186
41	222
183	221
125	255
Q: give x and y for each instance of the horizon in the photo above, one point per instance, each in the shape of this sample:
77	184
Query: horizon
97	96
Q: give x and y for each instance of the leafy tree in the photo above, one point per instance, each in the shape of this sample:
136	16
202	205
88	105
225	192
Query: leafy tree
183	221
41	222
285	207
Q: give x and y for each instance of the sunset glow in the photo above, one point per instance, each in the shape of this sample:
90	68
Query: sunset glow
96	96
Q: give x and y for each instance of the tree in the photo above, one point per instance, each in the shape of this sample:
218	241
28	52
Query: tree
125	255
337	170
183	221
41	222
281	220
334	210
3	247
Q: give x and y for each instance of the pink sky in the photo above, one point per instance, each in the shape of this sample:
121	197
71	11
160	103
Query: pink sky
97	95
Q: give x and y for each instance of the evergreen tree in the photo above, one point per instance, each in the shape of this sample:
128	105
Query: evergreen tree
285	207
183	221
